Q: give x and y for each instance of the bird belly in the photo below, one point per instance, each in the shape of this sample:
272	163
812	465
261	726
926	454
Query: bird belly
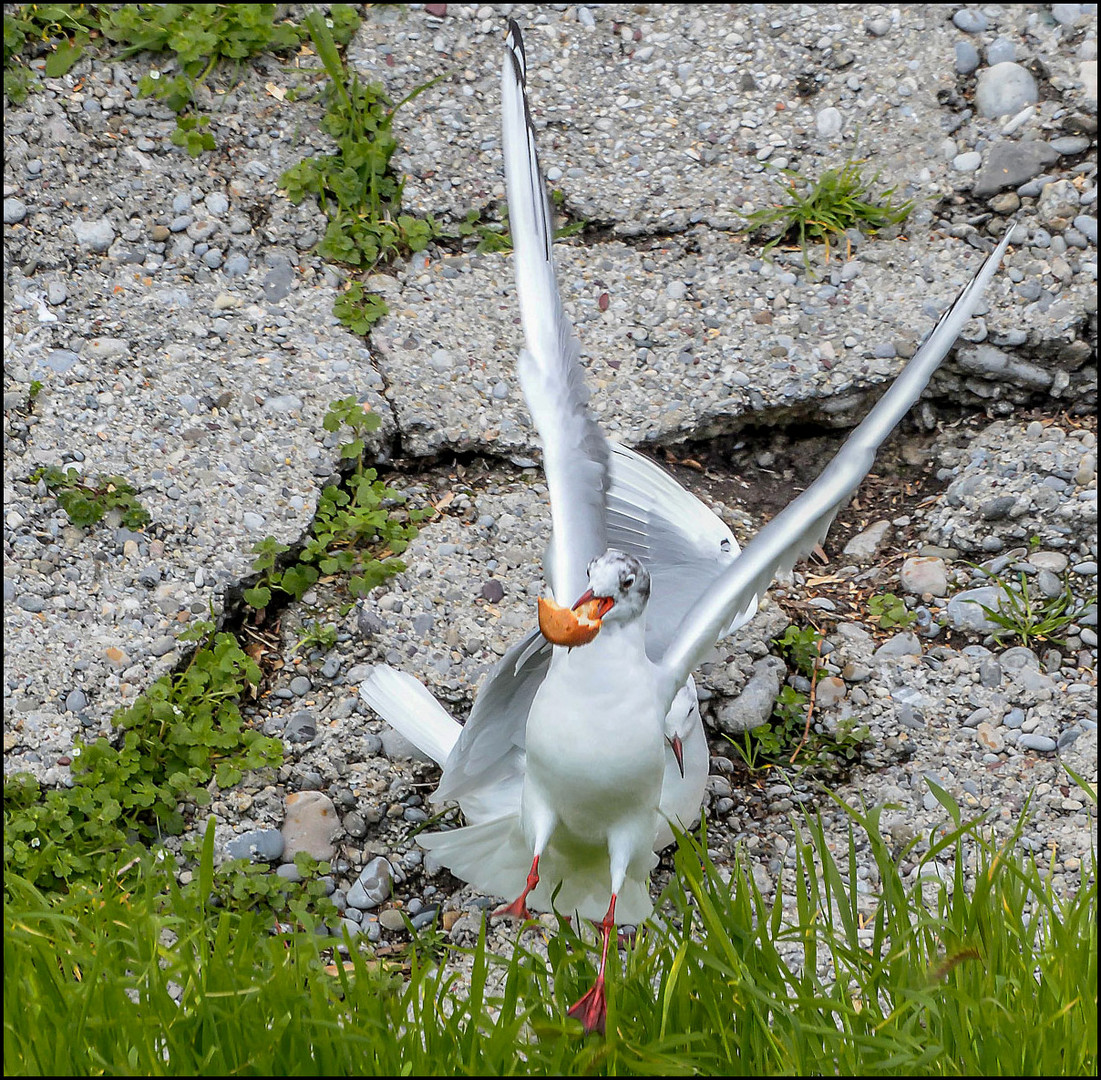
596	762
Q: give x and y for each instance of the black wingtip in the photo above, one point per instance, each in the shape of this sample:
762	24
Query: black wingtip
515	41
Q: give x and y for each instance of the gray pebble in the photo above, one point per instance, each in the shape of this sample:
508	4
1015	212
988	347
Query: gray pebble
968	162
1019	657
865	544
289	872
965	613
990	673
829	122
425	919
396	746
997	508
1010	165
1000	50
967	57
1066	14
97	235
373	885
75	701
1087	226
922	574
302	727
1041	743
149	576
970	21
259	845
493	591
904	644
753	706
300	685
1066	145
392	919
1004	89
15	210
56	293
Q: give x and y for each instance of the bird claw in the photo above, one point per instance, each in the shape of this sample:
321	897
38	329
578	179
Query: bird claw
592	1008
516	910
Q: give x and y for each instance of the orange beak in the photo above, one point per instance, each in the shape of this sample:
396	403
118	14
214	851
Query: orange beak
604	604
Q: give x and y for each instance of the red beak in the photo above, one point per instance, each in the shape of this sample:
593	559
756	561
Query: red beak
604	603
678	753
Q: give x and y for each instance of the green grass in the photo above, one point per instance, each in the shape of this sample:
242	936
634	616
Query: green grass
985	972
815	210
1028	617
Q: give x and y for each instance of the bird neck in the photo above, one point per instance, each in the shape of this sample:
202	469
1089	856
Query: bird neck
617	643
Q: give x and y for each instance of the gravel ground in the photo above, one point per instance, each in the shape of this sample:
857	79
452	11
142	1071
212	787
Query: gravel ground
182	330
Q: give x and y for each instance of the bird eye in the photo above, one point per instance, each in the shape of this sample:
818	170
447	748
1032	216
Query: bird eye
725	544
629	581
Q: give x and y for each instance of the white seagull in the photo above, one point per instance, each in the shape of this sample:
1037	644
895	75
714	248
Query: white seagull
574	761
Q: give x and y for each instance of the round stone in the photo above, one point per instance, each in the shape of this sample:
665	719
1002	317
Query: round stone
1004	89
391	919
922	574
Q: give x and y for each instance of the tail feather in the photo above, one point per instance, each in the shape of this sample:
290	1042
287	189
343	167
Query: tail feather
409	707
494	858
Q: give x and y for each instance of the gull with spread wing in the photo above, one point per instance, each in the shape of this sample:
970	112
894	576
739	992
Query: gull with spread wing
574	761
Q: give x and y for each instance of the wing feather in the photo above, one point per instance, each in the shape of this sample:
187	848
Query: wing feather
804	522
575	455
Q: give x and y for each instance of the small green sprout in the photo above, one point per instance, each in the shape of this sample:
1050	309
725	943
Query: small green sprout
839	200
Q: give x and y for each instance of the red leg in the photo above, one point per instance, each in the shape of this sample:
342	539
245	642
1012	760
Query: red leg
518	909
592	1008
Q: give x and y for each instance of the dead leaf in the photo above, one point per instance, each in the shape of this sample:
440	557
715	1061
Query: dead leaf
276	92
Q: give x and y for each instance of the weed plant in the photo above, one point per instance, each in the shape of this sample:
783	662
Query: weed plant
355	187
495	237
840	199
826	752
185	731
356	530
199	38
1029	618
889	611
87	503
979	970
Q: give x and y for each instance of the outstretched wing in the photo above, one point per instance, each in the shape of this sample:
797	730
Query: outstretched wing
575	455
804	522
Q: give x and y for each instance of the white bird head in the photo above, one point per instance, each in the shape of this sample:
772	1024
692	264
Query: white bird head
621	584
